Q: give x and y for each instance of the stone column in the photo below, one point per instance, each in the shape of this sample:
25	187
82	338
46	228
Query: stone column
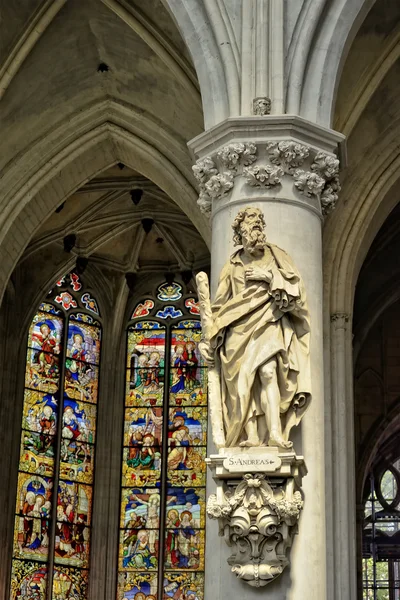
285	166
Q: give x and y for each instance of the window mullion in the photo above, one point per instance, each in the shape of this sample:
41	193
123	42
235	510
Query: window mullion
164	466
56	476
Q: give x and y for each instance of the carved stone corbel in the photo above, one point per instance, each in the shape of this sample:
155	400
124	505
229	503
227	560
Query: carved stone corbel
257	512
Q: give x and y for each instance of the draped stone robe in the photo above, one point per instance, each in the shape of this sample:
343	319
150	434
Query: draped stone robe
249	329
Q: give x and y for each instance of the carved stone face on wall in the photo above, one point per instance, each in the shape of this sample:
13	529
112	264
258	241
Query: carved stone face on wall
248	228
261	106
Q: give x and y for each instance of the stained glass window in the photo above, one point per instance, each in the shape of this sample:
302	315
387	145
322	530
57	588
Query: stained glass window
162	522
54	491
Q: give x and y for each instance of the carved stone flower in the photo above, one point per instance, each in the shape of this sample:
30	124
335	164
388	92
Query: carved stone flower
219	185
288	155
325	165
230	155
234	154
263	176
204	202
204	169
330	196
308	183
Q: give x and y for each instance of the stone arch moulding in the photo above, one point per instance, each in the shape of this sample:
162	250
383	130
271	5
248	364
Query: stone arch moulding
365	204
76	152
320	42
210	45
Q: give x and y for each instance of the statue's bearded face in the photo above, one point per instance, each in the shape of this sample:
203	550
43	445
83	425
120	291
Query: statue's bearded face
252	232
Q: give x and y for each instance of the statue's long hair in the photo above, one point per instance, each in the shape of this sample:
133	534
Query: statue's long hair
240	217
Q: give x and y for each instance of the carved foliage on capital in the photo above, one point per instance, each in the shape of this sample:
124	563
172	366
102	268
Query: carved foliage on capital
327	167
288	155
258	522
315	174
263	175
216	176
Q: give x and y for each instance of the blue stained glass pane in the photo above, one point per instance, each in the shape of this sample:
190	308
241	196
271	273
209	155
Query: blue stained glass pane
169	312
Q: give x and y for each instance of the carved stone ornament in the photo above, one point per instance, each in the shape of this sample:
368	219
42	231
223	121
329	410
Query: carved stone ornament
263	176
288	155
315	174
258	522
262	106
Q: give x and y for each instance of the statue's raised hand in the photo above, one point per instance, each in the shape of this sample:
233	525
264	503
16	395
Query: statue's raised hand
255	273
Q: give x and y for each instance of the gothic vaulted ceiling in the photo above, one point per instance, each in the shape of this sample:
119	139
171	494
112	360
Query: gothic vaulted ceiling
57	59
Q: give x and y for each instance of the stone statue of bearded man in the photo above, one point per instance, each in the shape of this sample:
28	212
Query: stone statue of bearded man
256	341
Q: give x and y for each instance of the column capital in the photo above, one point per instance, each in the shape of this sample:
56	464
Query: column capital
282	158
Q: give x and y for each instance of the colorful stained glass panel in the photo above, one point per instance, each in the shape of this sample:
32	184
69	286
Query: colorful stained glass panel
140	508
183	585
139	549
187	426
184	546
45	333
83	342
31	534
185	348
37	453
169	292
137	586
146	349
186	466
144	426
42	371
70	583
77	461
141	466
81	380
74	500
78	421
28	580
182	502
72	542
33	490
40	412
139	395
188	388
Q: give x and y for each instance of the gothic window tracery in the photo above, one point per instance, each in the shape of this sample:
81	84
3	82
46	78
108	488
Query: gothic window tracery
162	519
54	492
381	533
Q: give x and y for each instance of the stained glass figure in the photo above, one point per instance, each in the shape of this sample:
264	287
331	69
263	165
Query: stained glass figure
57	449
162	518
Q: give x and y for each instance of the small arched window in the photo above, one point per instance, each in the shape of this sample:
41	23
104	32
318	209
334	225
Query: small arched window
55	479
162	520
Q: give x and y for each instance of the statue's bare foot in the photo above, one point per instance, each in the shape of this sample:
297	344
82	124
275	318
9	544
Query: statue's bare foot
250	443
277	440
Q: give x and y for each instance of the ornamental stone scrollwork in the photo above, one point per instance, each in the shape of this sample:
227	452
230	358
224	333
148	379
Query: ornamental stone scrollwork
263	176
328	168
258	522
288	155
